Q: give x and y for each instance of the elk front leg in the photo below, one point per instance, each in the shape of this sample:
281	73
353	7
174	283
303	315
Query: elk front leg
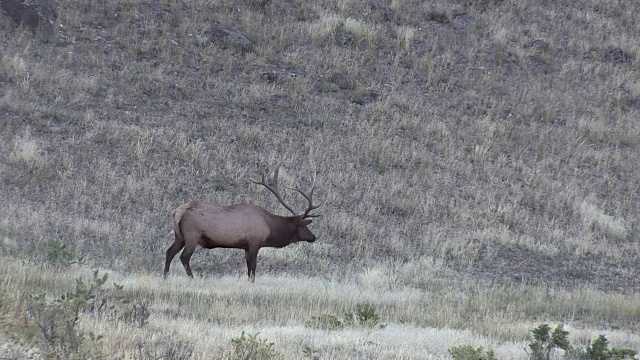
252	258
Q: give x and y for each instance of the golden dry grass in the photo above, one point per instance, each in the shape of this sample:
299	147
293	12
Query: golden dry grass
208	312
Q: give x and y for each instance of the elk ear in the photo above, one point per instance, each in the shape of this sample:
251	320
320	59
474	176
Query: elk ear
305	222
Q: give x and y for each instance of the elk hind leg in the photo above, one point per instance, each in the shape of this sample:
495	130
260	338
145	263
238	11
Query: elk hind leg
171	253
185	257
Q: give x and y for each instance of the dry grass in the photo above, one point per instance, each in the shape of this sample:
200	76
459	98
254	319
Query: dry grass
207	312
452	148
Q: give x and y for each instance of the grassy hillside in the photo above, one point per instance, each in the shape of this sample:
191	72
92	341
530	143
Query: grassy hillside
468	145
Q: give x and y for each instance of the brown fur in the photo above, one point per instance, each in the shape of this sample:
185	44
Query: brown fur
241	226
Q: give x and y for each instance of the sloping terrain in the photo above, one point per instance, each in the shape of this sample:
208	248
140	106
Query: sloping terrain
437	129
464	145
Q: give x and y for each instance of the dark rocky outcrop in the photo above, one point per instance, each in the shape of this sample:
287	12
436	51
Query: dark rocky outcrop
462	20
273	74
229	37
35	14
616	56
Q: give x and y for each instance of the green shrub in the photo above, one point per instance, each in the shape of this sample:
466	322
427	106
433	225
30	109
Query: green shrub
545	341
325	322
310	353
56	320
250	347
57	324
618	353
364	315
59	254
599	350
468	352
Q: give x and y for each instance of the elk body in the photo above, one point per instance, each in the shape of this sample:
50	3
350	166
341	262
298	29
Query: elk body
240	226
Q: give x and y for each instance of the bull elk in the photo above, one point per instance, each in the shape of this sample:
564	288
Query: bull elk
240	226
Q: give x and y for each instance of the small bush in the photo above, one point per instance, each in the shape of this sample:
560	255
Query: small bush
250	347
56	320
59	254
325	322
165	349
468	352
310	353
137	313
364	315
358	97
545	341
599	350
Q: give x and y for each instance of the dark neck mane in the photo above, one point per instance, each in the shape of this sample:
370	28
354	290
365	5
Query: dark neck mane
282	231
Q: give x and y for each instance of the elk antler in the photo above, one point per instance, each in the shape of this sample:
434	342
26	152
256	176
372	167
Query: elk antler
309	198
274	190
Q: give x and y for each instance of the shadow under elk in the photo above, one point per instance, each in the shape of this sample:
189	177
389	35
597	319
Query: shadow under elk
241	226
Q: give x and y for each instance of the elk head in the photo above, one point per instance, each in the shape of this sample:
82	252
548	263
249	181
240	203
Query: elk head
301	221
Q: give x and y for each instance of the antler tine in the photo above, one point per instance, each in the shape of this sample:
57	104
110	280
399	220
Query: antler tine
309	197
274	188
